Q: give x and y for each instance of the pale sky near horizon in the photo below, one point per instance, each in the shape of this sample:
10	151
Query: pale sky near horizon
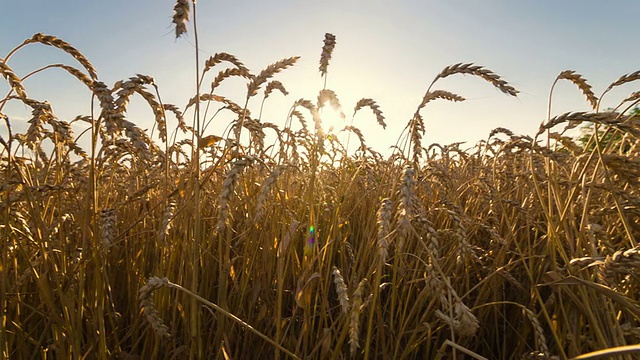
386	50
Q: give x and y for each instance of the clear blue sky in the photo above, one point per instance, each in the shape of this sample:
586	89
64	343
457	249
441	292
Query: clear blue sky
386	50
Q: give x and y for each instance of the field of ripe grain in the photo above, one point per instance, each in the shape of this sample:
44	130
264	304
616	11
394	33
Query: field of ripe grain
270	242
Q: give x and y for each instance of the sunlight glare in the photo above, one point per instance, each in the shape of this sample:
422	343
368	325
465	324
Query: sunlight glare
332	118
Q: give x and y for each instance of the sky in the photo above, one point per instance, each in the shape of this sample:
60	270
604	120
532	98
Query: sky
389	51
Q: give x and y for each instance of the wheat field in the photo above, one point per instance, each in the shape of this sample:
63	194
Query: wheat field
269	242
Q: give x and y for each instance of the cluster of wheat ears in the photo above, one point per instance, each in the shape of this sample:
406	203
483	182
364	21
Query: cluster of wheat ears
142	246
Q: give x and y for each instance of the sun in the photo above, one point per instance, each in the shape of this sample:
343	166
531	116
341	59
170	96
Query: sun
333	119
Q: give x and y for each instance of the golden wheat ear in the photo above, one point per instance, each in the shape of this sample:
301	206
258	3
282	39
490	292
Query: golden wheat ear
181	14
12	79
370	103
627	78
582	84
266	74
148	307
480	71
327	50
66	47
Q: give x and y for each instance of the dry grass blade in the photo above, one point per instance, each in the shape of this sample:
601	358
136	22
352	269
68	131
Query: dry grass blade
374	107
208	140
609	353
154	283
480	71
462	349
66	47
582	84
327	50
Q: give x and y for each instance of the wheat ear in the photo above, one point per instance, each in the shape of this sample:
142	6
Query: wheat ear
354	324
13	79
341	289
582	84
327	50
374	107
479	71
181	12
145	296
66	47
254	85
108	225
384	224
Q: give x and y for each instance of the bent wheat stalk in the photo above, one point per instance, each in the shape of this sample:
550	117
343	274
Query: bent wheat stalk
154	283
